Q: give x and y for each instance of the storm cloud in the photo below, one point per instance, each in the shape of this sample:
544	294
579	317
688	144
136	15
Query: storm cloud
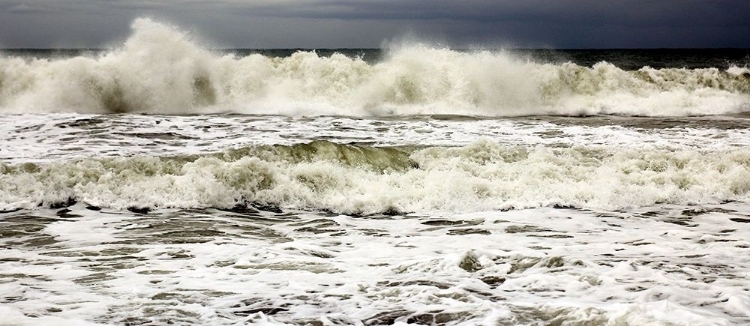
368	23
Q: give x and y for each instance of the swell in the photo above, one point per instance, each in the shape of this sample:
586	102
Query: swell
159	69
361	180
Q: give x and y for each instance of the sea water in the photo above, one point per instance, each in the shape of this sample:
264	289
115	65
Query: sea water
163	183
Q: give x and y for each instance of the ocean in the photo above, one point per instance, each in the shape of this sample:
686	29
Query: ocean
161	182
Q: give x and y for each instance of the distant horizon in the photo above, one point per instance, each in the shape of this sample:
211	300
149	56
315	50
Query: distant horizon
336	24
628	59
382	48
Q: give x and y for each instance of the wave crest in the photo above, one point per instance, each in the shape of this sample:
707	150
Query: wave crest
369	180
160	69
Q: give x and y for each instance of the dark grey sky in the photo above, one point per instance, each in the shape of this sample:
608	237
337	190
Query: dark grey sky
368	23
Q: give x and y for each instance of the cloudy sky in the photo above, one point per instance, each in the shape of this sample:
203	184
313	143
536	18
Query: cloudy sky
370	23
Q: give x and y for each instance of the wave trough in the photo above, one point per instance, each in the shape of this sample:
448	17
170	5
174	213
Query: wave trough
159	69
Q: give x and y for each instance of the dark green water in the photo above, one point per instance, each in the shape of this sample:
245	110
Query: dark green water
627	59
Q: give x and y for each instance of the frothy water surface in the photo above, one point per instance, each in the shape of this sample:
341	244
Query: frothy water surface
162	183
665	265
161	70
220	220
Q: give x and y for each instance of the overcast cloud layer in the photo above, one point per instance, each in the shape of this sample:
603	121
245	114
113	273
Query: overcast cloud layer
368	23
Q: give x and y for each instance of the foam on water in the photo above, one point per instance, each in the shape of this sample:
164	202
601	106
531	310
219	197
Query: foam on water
664	266
49	137
645	232
222	219
325	176
160	70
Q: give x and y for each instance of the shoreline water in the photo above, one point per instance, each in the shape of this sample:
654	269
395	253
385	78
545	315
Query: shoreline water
164	183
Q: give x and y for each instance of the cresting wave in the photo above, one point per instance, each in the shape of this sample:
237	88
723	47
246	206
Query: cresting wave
160	70
358	180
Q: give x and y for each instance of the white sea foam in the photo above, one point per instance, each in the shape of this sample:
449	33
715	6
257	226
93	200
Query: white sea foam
361	180
50	137
159	69
660	239
532	267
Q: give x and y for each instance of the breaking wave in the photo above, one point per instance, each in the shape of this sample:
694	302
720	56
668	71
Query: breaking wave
351	179
159	69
